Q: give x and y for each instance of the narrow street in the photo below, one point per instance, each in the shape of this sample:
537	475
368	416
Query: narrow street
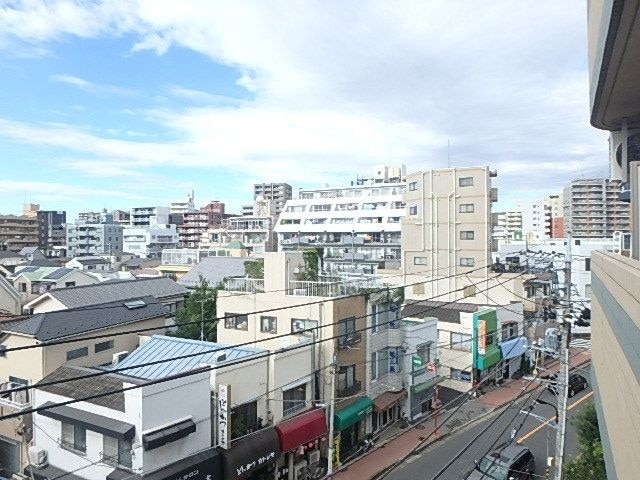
533	434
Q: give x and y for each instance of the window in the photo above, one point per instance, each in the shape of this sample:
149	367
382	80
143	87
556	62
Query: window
413	186
587	264
342	220
296	208
116	452
341	207
103	346
460	341
379	363
587	290
290	221
320	208
23	287
347	332
268	324
73	438
424	352
467	262
509	330
462	375
236	321
299	325
347	378
383	317
467	235
420	260
465	182
69	284
294	400
413	210
77	353
466	208
244	419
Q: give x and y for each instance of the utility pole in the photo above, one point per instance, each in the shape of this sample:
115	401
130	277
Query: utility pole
562	385
202	302
332	406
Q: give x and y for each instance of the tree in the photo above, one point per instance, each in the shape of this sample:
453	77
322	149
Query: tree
194	310
589	462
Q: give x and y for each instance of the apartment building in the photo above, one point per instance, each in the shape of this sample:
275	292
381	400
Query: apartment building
181	207
51	231
146	216
593	208
614	40
358	227
194	224
18	231
279	193
101	236
505	227
149	241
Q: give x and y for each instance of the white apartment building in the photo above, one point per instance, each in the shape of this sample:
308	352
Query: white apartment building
505	227
180	207
357	226
149	241
146	216
536	220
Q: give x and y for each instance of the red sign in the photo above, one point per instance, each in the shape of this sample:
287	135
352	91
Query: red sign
431	367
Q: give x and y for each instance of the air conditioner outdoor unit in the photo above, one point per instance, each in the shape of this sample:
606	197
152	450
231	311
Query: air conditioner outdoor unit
300	470
118	357
313	457
37	456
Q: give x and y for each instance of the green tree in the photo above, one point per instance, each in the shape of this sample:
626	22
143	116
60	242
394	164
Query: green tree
589	462
201	303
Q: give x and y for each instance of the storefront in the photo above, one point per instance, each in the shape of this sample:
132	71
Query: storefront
512	352
386	409
351	423
300	439
485	349
253	457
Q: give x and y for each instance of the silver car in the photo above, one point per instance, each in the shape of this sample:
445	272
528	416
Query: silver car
512	462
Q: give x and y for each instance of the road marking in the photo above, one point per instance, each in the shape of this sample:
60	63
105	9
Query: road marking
542	425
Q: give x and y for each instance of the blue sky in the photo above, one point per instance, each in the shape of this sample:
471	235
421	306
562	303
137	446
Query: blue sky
117	104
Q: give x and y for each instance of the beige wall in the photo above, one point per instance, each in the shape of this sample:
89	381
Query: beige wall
44	304
615	340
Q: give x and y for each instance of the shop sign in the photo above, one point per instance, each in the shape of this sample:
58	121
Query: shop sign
224	419
257	463
482	337
431	367
336	452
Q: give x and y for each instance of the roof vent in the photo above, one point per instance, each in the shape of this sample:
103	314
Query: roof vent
132	305
221	358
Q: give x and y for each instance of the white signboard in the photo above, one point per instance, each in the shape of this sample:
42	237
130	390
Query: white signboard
224	416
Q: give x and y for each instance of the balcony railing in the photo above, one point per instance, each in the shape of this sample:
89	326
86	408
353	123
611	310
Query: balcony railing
249	285
349	340
350	390
17	400
330	289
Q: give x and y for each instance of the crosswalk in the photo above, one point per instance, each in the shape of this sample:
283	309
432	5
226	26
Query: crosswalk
583	343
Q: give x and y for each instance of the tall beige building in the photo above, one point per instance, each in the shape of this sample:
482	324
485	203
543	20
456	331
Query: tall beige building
614	74
17	232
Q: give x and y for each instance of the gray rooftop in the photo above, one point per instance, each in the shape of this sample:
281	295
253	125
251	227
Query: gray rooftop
214	270
57	274
85	387
443	311
91	260
64	323
160	347
87	295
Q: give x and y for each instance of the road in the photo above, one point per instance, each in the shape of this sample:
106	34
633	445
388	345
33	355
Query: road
533	434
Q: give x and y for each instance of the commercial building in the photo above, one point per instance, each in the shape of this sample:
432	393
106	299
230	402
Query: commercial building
358	227
279	193
614	72
146	216
149	241
593	208
94	237
51	232
17	232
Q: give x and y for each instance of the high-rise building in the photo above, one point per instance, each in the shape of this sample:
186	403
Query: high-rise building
149	241
94	237
505	227
593	208
51	231
17	232
278	192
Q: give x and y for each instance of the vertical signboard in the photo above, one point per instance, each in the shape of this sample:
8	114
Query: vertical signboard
336	451
482	337
224	416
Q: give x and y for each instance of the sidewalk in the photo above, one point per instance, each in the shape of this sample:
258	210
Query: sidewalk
385	454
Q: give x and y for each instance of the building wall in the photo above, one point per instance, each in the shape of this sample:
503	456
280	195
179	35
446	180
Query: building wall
17	232
615	371
93	238
76	277
25	364
10	300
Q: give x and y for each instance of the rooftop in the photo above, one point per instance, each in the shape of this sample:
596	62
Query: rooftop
214	270
443	311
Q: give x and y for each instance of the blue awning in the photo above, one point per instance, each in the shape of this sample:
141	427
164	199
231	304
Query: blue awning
513	348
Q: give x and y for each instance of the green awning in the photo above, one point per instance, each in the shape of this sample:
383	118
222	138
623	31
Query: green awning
428	384
355	412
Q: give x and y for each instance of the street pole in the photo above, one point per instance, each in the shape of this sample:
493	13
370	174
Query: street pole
332	406
201	302
562	385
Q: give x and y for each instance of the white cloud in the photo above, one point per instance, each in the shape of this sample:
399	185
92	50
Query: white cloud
339	87
202	97
90	87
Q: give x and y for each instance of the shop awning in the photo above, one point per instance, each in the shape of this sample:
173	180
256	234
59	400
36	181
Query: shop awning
301	429
90	421
45	473
171	433
250	454
428	384
513	348
387	400
200	466
355	412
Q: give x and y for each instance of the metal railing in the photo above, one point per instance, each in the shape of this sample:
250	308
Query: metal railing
349	339
330	289
350	390
249	285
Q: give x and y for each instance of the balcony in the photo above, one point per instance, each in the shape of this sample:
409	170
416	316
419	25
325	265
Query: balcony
350	390
349	340
330	289
15	400
248	285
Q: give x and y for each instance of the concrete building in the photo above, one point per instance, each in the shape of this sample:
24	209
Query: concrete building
357	226
536	220
94	237
181	207
51	231
149	241
17	232
279	193
147	216
176	262
121	217
593	208
194	224
614	73
505	227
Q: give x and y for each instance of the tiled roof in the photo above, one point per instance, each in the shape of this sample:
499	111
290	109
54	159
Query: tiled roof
160	347
443	311
86	295
214	270
85	387
64	323
235	244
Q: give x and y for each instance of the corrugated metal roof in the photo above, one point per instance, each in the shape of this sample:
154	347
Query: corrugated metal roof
160	347
85	295
214	270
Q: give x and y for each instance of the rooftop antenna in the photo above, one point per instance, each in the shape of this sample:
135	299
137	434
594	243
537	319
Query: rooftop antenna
448	155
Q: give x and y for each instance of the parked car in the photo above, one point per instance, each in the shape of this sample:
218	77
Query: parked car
511	462
577	383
